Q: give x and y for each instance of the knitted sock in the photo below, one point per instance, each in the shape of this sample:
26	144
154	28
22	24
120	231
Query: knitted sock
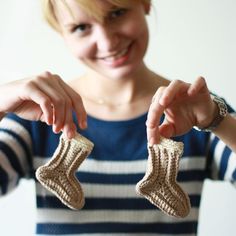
58	175
159	184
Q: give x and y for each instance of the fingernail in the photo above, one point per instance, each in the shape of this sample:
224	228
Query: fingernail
70	134
84	124
55	129
152	141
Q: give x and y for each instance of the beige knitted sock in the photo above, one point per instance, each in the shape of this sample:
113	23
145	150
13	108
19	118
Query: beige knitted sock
159	184
58	175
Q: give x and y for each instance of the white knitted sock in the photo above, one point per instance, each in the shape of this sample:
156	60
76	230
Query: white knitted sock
159	184
58	175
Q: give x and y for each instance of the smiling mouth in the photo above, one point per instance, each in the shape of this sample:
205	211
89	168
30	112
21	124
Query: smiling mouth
116	56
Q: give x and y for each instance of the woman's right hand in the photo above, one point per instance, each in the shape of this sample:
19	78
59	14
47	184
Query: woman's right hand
47	98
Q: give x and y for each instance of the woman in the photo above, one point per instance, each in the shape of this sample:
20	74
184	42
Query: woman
118	105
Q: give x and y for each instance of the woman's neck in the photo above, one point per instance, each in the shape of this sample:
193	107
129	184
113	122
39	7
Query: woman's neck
115	91
119	99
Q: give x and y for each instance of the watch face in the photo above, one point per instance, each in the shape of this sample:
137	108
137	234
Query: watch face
221	105
222	112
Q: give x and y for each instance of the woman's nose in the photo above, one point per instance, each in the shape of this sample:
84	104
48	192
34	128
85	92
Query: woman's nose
107	39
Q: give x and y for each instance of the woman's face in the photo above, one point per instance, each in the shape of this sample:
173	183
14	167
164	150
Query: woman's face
114	48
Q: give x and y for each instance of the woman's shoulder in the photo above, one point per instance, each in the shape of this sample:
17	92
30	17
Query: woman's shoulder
75	82
160	80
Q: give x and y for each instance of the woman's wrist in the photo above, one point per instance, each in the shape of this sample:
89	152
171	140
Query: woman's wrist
226	131
220	114
2	114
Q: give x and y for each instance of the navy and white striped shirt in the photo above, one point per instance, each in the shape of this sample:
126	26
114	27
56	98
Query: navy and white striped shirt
109	175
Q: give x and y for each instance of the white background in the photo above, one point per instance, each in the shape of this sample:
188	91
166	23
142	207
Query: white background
188	38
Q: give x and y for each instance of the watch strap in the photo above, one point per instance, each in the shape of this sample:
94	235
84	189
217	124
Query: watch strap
222	112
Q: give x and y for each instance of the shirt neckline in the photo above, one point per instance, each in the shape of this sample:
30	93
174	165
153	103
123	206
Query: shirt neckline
117	123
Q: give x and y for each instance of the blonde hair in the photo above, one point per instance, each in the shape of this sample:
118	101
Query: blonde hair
90	7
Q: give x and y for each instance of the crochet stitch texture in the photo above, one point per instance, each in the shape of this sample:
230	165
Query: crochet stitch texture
159	183
58	175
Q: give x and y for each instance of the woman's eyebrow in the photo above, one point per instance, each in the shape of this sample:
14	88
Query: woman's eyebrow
73	23
69	25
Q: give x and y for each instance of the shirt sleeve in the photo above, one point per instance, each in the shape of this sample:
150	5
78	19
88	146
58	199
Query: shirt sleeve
15	152
221	160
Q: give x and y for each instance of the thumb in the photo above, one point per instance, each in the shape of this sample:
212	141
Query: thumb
167	130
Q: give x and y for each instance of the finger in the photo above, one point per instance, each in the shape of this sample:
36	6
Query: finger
78	106
61	102
69	127
153	119
175	89
198	85
32	92
167	129
58	98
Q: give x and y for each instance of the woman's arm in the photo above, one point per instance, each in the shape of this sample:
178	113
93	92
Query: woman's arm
2	114
185	106
226	131
45	97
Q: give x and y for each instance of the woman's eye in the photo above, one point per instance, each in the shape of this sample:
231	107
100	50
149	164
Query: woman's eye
118	12
81	28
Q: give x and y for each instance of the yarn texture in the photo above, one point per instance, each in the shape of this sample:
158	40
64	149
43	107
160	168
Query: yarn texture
159	183
58	175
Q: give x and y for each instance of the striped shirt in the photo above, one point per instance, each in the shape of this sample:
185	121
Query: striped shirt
108	177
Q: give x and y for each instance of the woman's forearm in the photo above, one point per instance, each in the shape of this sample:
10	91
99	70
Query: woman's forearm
2	114
226	131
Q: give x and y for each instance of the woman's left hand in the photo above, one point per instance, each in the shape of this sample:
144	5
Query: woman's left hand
184	105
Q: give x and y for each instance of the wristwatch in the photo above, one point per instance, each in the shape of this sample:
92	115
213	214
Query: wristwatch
222	112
